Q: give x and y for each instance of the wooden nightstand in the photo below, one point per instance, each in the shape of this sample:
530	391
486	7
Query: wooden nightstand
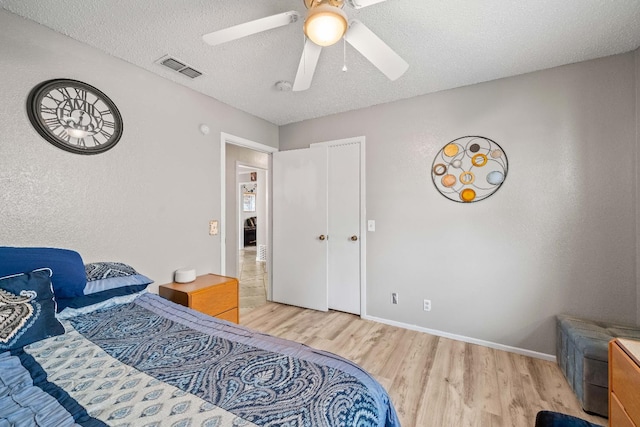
210	294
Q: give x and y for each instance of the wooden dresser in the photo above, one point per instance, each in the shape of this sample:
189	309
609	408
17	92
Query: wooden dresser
210	294
624	383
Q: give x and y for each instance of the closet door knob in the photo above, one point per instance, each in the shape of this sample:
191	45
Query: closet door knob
322	237
354	238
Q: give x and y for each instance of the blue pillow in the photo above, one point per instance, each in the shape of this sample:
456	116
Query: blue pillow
98	297
107	283
70	312
103	276
28	310
107	270
68	277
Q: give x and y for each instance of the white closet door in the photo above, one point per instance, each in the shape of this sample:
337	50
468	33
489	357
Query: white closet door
344	227
300	228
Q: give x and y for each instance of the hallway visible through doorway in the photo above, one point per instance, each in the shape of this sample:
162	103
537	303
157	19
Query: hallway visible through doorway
253	281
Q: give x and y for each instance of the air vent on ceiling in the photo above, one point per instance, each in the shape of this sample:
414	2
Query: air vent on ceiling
173	64
179	66
190	72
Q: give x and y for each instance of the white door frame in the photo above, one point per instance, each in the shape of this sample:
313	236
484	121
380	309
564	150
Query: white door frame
226	138
363	215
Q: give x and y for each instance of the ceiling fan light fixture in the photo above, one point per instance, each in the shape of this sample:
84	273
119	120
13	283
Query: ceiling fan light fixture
325	24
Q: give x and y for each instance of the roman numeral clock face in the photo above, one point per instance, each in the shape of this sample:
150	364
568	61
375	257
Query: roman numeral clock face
74	116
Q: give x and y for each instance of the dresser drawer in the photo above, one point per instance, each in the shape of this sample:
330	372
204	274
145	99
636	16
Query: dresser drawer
625	383
617	416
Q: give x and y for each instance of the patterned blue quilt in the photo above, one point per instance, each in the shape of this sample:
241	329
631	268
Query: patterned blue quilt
154	363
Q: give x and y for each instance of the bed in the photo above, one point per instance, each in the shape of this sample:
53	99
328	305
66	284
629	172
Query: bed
139	360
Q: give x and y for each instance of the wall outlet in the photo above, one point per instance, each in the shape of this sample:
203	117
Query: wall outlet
213	227
427	305
371	225
394	298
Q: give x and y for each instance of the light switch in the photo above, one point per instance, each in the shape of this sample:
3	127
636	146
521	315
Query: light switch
213	227
371	225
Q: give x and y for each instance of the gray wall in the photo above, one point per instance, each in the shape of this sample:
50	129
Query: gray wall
146	202
234	155
558	237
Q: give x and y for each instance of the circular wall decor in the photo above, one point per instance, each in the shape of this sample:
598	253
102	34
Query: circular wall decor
74	116
469	169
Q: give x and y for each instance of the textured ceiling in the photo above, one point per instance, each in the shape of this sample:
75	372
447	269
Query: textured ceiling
447	43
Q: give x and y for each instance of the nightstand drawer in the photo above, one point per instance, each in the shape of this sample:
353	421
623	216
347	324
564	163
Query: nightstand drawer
231	315
216	299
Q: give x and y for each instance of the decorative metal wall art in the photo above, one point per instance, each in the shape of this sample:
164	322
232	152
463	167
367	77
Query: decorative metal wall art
469	169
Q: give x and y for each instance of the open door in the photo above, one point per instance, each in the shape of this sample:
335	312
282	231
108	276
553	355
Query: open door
300	224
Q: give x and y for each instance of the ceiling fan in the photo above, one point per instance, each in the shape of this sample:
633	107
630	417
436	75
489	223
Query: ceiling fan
325	24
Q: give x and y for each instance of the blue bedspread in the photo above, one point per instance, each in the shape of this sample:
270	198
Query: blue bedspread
154	363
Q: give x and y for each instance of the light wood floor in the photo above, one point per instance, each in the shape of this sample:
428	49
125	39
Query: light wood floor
432	381
253	281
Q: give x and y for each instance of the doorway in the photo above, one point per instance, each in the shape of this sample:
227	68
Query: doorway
239	159
251	202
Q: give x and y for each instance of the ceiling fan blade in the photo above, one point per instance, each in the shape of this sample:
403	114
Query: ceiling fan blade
307	66
375	50
359	4
251	27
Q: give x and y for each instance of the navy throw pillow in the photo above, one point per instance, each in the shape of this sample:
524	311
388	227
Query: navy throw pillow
27	310
68	277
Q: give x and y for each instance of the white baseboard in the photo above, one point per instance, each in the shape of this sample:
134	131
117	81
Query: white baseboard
522	351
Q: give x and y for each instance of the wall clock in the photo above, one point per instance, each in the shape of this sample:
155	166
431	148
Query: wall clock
74	116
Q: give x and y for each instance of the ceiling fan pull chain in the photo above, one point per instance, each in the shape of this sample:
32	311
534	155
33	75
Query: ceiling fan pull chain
344	55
